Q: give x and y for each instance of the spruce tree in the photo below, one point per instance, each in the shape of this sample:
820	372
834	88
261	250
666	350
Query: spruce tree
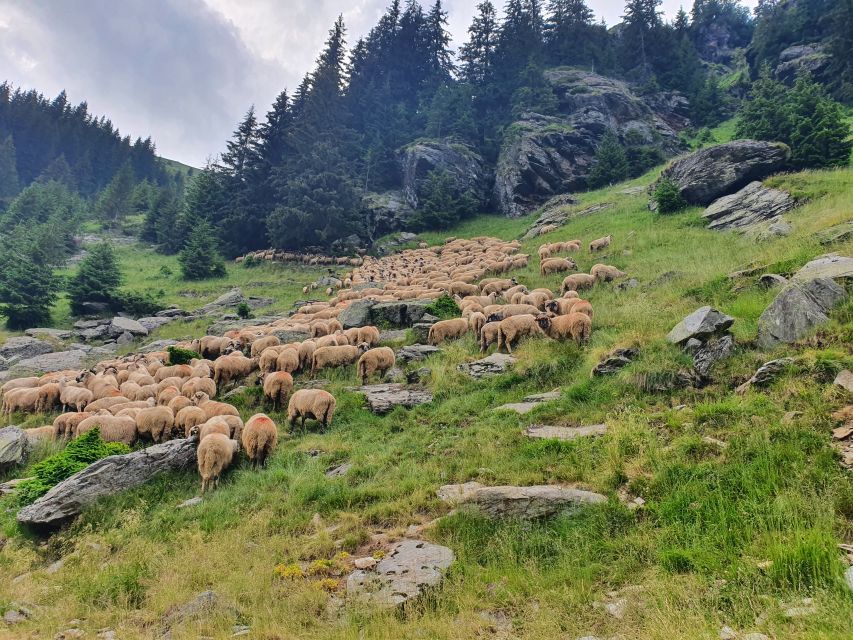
114	202
9	184
199	259
98	279
611	163
28	284
477	55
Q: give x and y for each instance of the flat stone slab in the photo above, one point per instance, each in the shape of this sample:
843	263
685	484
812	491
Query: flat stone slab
382	398
50	362
548	432
120	325
527	503
844	379
416	352
409	568
825	267
520	408
58	334
702	323
492	365
750	206
614	361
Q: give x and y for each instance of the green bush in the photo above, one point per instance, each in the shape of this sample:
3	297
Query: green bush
244	311
668	197
444	307
79	454
136	304
252	261
177	355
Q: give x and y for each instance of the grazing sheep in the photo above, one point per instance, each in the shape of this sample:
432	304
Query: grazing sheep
232	366
19	383
447	330
277	387
106	403
260	344
215	454
306	353
25	400
49	397
476	321
156	422
606	273
259	438
167	395
234	423
179	402
368	335
65	424
136	404
112	428
600	243
380	359
575	326
266	361
582	306
336	356
214	425
171	381
46	432
577	281
464	289
498	286
173	371
571	293
556	265
194	385
212	408
561	306
317	404
212	346
287	361
189	417
489	335
500	312
514	328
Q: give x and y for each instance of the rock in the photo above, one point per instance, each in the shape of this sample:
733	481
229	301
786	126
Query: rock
614	361
796	310
339	470
190	503
547	432
769	280
290	335
419	376
13	447
55	567
69	634
56	334
392	335
428	318
94	308
492	365
125	338
848	577
401	314
617	608
520	408
465	167
767	373
49	362
633	283
155	322
420	330
752	205
409	568
527	503
830	266
776	229
692	346
10	486
387	212
157	345
836	234
394	374
357	314
382	398
809	58
172	312
230	299
13	617
713	172
365	563
23	347
416	352
95	333
106	477
701	324
204	606
120	325
107	634
844	379
712	351
553	218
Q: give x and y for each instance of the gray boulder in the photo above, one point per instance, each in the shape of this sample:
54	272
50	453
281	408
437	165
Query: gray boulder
797	309
416	352
713	172
357	314
290	335
172	312
120	325
829	266
614	361
553	217
13	447
56	334
157	345
836	234
810	58
549	432
752	205
386	213
421	331
527	503
711	352
767	373
403	313
411	567
155	322
49	362
465	166
492	365
106	477
382	398
23	347
701	324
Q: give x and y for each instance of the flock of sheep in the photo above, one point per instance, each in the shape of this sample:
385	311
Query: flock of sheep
142	398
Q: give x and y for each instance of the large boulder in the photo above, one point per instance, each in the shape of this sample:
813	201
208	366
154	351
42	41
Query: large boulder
386	213
527	503
416	352
106	477
543	156
382	398
492	365
752	205
120	325
357	314
797	309
49	362
23	347
404	313
810	58
829	266
13	447
418	159
713	172
700	325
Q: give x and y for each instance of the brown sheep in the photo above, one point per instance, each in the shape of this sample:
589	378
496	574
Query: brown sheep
577	281
167	395
582	306
561	306
600	243
20	383
464	289
112	428
476	321
500	312
266	361
194	385
277	387
447	330
65	424
498	286
606	273
214	425
49	397
259	438
156	422
235	424
38	434
380	359
514	328
76	397
336	356
260	344
489	335
215	454
212	346
189	417
519	288
231	367
306	353
137	404
25	400
106	403
212	408
556	265
571	293
575	326
368	335
287	361
173	371
317	404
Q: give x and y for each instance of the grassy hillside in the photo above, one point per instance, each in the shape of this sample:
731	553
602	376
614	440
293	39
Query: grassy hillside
744	507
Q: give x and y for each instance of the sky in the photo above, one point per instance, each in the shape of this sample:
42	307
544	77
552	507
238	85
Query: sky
186	71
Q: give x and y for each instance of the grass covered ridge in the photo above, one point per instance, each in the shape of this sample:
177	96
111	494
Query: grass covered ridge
729	535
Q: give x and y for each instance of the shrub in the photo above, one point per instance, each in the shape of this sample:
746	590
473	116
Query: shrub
668	197
444	307
252	261
79	454
244	311
137	304
177	355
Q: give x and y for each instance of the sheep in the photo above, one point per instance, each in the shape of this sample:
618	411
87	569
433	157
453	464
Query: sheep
306	353
259	438
179	402
232	366
556	265
49	397
336	356
311	403
167	395
234	423
260	344
65	424
582	306
189	417
606	273
500	312
19	383
476	321
172	371
571	293
519	288
600	243
380	359
498	286
577	281
194	385
156	422
368	335
470	309
214	425
483	301
106	403
561	306
171	381
212	408
277	387
515	328
112	428
215	454
574	326
287	361
36	434
137	404
447	330
464	289
212	346
266	361
489	335
25	400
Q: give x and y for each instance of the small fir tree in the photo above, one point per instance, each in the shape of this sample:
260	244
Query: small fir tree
200	259
611	163
97	279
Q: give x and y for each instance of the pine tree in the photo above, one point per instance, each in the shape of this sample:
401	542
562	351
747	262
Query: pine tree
114	203
438	43
642	19
441	205
199	259
611	163
98	279
9	184
568	31
28	284
477	55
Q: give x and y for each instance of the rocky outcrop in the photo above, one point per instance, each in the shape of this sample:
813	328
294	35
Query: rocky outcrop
555	216
416	352
382	398
700	325
22	348
836	234
797	309
713	351
543	156
492	365
548	432
767	373
418	159
49	362
713	172
526	503
13	447
411	567
386	213
811	58
120	325
357	314
614	361
828	266
106	477
753	205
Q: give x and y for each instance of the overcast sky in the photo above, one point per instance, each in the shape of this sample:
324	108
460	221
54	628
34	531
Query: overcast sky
185	71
